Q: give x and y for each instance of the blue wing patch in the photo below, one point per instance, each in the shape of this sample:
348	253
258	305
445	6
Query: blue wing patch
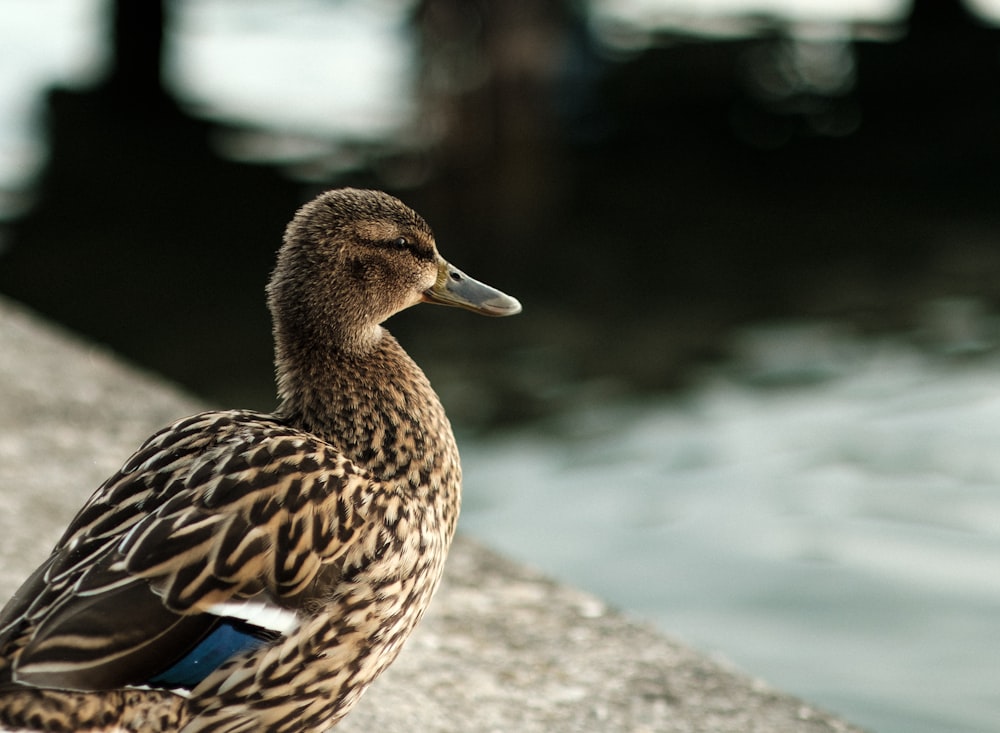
225	641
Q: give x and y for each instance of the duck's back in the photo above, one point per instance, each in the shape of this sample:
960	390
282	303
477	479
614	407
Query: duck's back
250	530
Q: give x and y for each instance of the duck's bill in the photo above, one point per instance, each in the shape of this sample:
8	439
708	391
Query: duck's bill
454	287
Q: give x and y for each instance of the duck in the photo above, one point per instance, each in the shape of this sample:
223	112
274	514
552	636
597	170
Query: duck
245	571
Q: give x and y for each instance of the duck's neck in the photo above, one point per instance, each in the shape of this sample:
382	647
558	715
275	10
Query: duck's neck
374	404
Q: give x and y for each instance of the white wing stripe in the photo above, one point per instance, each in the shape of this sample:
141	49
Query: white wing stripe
258	613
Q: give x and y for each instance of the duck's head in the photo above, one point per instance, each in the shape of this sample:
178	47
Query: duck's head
352	258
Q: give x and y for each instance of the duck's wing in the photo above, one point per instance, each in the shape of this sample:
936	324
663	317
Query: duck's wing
199	547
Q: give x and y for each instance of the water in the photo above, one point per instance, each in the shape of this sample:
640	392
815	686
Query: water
234	66
39	46
839	538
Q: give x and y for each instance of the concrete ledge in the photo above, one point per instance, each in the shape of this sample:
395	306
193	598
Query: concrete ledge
502	650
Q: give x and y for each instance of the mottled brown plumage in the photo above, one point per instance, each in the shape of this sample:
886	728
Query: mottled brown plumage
256	572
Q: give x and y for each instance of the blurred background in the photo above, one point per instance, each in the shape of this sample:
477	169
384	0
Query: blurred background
754	396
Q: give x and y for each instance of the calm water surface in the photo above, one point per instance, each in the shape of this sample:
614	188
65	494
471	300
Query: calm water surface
830	522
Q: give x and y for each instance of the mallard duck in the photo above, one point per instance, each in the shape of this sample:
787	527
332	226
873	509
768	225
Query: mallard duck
256	572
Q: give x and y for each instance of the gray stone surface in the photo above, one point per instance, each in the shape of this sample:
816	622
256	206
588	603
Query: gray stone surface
503	649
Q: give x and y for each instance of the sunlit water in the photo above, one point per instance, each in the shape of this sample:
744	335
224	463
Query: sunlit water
840	539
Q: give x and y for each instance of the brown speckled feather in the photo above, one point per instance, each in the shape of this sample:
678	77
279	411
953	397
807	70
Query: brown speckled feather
305	545
218	506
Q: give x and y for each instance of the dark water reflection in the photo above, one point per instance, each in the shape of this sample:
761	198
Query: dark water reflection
652	201
618	195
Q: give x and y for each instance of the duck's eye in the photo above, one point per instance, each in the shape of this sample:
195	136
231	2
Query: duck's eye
401	243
